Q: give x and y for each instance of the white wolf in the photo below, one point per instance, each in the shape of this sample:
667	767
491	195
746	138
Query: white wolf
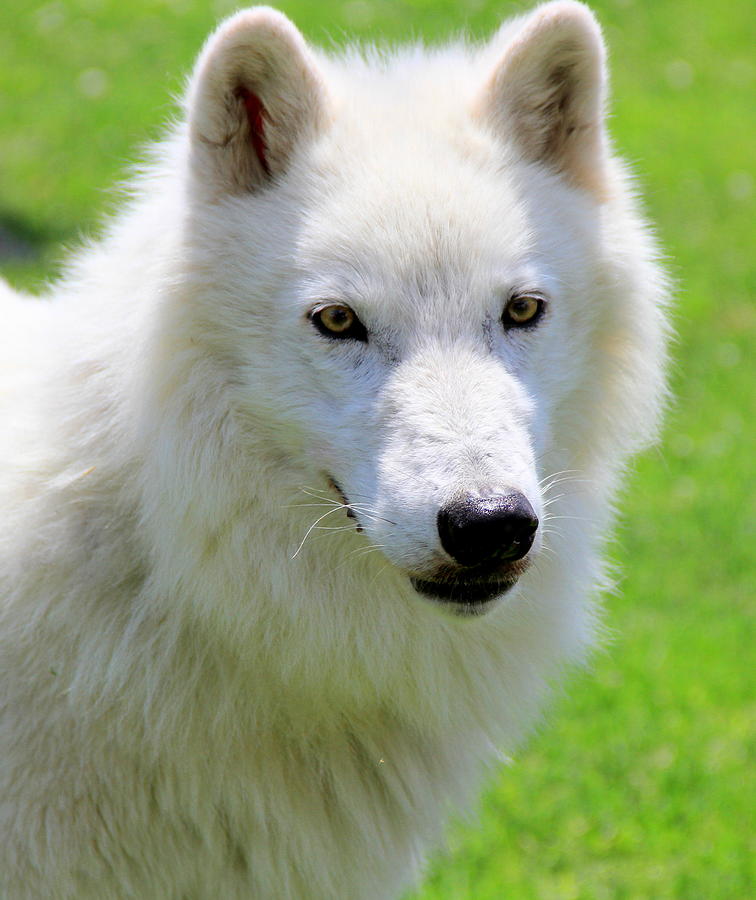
284	560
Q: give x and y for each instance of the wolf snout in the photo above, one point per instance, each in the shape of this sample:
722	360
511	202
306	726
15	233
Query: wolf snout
483	530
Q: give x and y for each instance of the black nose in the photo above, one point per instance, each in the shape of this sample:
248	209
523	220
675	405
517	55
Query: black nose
477	530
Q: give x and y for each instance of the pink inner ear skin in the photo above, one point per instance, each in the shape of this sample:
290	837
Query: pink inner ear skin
255	110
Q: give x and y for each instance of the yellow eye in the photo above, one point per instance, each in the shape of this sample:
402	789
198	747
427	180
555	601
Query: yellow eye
338	321
523	310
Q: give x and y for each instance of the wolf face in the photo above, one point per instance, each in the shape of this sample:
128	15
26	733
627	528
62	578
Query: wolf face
408	274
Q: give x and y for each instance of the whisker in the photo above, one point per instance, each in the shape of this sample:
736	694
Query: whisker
378	574
369	513
359	552
551	518
335	528
338	504
566	472
312	527
565	482
306	505
325	499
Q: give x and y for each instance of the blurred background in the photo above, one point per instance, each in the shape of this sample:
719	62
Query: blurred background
640	784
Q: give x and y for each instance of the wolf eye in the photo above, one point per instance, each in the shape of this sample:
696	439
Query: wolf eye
522	310
338	321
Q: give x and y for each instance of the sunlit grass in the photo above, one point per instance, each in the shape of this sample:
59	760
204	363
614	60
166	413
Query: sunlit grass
640	785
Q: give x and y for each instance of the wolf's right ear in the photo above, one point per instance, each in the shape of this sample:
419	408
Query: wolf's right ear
256	93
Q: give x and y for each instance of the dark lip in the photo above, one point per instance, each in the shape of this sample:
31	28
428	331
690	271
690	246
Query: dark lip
345	500
462	592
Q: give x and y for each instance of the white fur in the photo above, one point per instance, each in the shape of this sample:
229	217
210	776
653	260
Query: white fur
195	701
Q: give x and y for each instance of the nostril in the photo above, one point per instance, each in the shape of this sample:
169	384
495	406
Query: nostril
477	530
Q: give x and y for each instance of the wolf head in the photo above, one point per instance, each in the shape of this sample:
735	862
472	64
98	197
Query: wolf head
424	282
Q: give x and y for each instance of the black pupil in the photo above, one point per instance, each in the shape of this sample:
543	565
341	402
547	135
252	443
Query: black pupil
521	307
338	319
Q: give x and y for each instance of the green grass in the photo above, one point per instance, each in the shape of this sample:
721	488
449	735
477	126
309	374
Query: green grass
640	785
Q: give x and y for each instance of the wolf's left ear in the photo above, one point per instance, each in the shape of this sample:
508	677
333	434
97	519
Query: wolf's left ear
255	95
546	94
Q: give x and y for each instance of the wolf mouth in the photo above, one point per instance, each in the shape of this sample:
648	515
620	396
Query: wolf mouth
451	589
460	591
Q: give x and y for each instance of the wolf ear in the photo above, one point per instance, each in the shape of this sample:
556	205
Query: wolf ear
256	93
546	94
